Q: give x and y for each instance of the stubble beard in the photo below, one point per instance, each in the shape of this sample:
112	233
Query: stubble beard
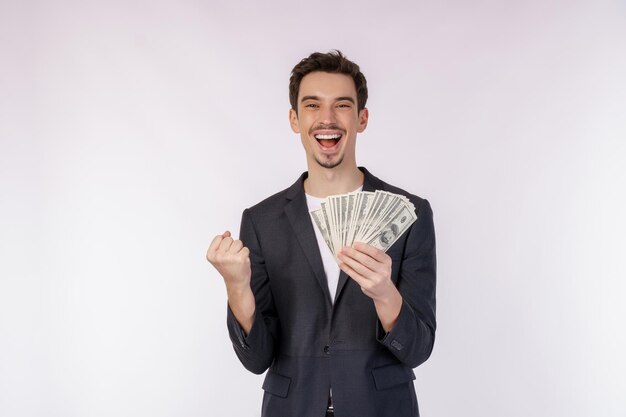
330	164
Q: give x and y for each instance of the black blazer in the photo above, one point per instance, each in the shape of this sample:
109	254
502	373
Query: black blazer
311	345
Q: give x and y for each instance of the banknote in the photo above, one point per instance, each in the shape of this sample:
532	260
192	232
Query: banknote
377	218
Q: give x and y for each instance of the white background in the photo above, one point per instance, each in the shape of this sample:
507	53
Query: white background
134	131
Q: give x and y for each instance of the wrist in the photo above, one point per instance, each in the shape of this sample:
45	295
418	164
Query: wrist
243	305
238	290
389	297
388	309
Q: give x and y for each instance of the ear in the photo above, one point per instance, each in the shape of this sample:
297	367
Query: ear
363	117
293	121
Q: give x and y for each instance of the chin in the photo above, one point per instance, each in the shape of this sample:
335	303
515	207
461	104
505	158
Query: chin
329	164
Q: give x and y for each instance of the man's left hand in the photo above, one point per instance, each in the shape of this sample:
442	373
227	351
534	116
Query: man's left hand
370	268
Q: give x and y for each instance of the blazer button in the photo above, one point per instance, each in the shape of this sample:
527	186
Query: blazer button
327	350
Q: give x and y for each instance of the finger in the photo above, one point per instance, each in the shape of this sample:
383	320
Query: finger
356	265
359	279
361	257
225	244
215	243
375	253
236	246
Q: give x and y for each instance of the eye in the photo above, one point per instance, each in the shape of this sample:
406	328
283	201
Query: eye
311	105
344	105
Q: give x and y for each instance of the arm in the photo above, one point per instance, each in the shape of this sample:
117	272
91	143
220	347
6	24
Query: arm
251	320
406	312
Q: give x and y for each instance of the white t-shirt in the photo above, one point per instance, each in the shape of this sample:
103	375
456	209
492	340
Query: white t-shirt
328	259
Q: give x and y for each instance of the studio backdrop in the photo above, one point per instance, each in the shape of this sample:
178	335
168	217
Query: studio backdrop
132	132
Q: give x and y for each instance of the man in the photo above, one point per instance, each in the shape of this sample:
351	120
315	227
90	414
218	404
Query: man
336	338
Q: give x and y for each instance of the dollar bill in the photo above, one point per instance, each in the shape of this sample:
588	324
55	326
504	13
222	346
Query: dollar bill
376	218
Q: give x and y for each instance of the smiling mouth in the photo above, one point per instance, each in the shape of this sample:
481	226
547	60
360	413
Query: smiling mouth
328	141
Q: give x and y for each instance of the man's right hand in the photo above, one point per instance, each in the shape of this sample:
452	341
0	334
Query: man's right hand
232	261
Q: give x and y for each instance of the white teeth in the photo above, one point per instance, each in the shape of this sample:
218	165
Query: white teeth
327	136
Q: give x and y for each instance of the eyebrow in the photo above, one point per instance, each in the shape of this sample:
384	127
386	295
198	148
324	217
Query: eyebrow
347	98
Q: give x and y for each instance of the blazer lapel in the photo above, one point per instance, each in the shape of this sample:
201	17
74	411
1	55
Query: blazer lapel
370	183
298	214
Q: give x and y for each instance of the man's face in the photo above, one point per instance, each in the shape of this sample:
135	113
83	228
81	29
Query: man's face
328	119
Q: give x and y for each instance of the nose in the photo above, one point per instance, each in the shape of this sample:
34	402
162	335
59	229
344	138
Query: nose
327	115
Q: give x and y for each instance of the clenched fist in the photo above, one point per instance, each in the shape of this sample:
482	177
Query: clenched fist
231	259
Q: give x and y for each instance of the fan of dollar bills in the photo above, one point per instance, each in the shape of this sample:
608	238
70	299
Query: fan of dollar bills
376	218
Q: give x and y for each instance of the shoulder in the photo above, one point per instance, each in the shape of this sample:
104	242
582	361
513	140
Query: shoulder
420	236
421	204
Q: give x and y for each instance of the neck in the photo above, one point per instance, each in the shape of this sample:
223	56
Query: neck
322	182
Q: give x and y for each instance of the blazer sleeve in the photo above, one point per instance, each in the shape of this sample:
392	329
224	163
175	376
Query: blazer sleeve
256	349
412	338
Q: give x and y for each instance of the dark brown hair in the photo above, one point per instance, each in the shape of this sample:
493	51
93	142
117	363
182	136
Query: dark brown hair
334	62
